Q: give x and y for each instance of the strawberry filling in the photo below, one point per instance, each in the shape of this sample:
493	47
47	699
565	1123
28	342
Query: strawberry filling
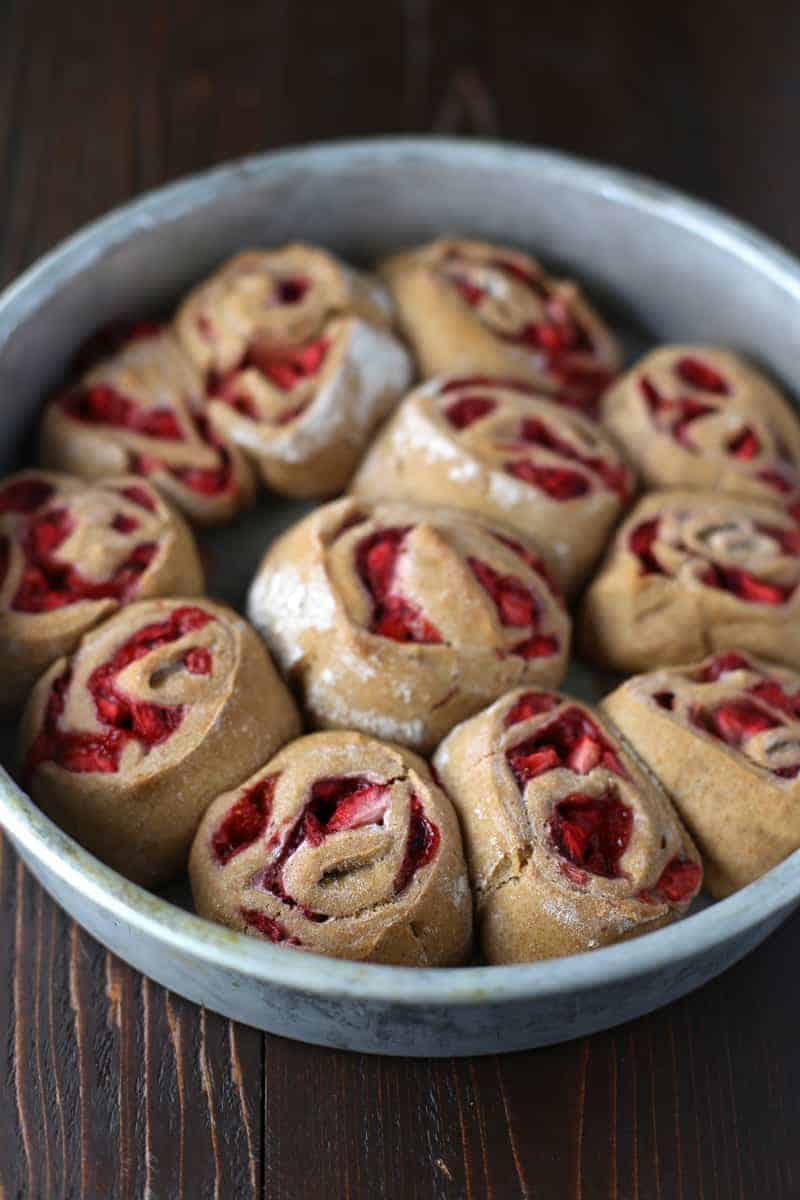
532	704
292	289
592	832
674	415
680	881
341	804
721	664
557	337
245	822
534	432
701	375
641	542
743	584
289	367
735	721
557	482
24	495
103	405
469	409
774	694
47	584
572	741
139	495
392	615
745	445
267	927
665	700
517	607
533	561
124	719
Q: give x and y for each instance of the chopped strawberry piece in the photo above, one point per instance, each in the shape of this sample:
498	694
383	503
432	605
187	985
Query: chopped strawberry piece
776	695
642	541
592	832
516	605
536	647
470	292
679	882
122	523
701	375
393	616
422	846
556	482
367	806
721	664
198	661
535	432
735	721
268	927
534	562
572	740
532	704
747	587
745	445
585	755
469	409
245	822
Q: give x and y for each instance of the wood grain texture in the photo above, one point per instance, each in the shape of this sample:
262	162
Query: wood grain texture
112	1087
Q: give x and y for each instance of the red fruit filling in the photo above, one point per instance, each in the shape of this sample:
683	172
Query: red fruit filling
245	822
665	700
721	664
102	405
532	704
24	495
139	495
341	804
773	693
533	561
641	542
469	409
735	721
293	289
592	832
289	367
572	740
680	880
534	432
558	337
674	415
268	927
558	482
701	375
744	445
125	719
48	584
392	615
517	607
745	586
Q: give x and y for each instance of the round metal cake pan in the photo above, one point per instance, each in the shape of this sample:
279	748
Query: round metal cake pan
656	261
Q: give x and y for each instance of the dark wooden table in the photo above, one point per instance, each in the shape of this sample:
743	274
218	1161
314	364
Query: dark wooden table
110	1085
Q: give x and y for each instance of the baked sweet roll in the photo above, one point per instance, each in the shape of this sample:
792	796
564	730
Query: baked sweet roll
300	366
70	555
399	621
723	736
343	845
162	707
504	450
701	417
690	572
474	307
140	412
570	844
